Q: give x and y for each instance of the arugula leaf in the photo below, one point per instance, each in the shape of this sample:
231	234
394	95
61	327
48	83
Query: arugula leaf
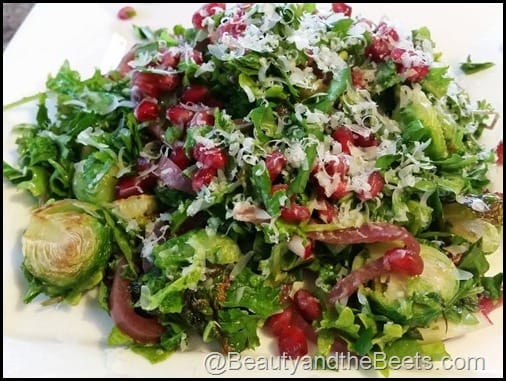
386	76
436	81
240	328
474	260
493	285
470	67
300	182
249	290
264	123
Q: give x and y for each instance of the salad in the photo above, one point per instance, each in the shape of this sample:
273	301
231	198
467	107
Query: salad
272	166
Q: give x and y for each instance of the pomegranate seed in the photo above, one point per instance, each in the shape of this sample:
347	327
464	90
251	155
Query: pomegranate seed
152	85
403	261
328	213
195	56
212	157
365	141
295	213
376	182
202	118
344	136
339	346
300	322
205	11
308	306
275	162
487	305
126	13
292	342
277	322
178	156
341	8
232	28
416	73
396	54
387	32
134	185
499	151
148	109
195	94
179	115
170	60
378	50
202	177
357	78
341	190
339	166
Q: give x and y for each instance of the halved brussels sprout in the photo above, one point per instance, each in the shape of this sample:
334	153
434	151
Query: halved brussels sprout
140	208
66	247
414	300
466	223
95	178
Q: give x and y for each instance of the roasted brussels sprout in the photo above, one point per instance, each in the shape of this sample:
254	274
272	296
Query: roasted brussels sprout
472	225
414	300
95	178
140	208
65	247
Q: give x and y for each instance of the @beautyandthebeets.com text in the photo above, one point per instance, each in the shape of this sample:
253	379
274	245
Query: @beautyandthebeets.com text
217	363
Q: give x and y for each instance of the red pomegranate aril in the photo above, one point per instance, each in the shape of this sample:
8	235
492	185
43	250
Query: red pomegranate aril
233	28
499	151
148	109
126	13
277	322
170	60
416	73
178	156
357	78
341	190
152	85
341	8
179	115
327	214
295	213
202	118
386	31
376	182
206	10
195	94
365	141
339	166
197	57
275	162
308	306
203	177
344	136
403	261
134	185
212	157
378	50
292	342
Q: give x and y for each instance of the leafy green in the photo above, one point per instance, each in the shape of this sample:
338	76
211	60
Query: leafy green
470	67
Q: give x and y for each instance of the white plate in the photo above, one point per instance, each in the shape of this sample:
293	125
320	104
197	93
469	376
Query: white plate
70	342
